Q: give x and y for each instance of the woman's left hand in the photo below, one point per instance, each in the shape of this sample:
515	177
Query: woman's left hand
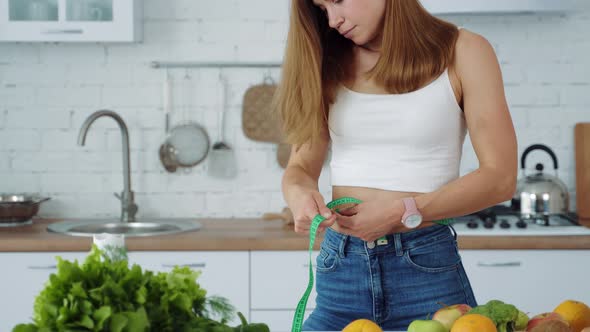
371	220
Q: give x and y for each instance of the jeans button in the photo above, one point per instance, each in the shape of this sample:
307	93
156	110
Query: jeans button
371	244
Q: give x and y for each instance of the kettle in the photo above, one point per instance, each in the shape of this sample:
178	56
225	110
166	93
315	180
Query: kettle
539	195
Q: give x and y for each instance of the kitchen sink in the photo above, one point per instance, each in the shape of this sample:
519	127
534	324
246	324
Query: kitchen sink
141	227
128	224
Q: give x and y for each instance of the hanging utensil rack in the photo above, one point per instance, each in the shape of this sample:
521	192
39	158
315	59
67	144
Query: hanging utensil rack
190	64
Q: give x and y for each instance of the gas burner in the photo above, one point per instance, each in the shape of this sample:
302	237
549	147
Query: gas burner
570	219
502	221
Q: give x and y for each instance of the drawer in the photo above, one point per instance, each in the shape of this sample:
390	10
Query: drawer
277	320
279	279
24	276
535	281
223	273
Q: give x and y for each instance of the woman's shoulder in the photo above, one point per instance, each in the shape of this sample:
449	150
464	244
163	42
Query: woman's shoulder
472	50
469	40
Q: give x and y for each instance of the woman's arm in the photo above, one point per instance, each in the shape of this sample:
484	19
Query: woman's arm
491	132
300	184
304	166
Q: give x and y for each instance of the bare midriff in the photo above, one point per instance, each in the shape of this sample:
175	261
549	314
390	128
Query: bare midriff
371	194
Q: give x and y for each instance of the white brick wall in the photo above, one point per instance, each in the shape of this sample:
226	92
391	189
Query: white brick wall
47	91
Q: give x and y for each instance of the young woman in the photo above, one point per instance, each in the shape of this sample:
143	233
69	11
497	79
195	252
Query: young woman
394	90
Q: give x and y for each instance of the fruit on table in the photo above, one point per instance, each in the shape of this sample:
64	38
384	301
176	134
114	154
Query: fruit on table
543	318
425	325
449	314
474	323
362	325
576	313
521	321
551	326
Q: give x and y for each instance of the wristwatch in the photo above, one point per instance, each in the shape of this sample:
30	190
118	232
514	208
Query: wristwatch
412	217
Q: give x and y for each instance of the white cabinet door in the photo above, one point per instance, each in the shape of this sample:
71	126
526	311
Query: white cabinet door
71	20
277	320
535	281
224	273
496	6
279	279
23	276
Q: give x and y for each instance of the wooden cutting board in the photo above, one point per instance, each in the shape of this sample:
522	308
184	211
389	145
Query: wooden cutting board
582	155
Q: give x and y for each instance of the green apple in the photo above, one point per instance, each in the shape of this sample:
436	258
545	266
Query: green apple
423	325
449	314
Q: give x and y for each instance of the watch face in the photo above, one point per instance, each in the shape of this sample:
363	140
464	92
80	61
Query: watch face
413	221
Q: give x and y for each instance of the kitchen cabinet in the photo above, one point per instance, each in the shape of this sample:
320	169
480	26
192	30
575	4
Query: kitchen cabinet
266	285
223	273
277	320
497	6
279	279
536	281
23	276
71	20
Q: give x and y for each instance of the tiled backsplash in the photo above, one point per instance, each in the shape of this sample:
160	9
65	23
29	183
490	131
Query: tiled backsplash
47	90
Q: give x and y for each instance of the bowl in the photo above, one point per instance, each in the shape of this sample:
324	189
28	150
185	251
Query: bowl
18	209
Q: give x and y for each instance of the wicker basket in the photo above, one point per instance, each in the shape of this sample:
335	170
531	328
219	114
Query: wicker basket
259	122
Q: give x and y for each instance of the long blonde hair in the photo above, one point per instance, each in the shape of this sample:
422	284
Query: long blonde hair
415	48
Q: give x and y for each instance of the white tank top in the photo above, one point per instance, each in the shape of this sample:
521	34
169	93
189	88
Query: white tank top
401	142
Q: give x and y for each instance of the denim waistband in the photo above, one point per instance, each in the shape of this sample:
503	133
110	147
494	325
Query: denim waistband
396	242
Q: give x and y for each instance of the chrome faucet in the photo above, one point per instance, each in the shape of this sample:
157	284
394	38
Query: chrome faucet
128	206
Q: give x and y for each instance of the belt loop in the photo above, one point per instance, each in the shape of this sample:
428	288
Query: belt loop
397	240
342	247
453	231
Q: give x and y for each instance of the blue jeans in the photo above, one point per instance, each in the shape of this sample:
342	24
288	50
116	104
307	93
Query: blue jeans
410	277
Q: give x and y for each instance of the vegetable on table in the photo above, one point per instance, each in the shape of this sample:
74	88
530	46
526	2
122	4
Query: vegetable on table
107	295
506	316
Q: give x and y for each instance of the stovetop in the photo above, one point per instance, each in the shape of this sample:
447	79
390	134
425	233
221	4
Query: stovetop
503	221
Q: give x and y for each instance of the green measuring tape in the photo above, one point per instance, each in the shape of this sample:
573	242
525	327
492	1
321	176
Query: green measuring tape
315	223
300	311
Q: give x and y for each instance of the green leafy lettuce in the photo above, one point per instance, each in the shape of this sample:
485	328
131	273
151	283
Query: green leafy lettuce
107	295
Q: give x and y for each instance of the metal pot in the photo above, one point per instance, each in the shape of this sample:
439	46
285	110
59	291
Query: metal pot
540	194
18	208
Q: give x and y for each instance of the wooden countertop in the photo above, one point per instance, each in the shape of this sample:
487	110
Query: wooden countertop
244	234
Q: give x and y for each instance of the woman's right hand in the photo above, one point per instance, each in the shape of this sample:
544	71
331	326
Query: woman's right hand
305	205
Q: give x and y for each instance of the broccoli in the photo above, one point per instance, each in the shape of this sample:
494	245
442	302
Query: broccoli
504	315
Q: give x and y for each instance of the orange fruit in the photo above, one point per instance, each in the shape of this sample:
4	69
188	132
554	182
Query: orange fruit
576	313
473	323
362	325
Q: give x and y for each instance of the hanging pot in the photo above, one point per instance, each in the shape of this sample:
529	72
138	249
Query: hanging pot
540	194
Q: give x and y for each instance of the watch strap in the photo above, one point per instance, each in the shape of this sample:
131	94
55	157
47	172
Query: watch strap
410	204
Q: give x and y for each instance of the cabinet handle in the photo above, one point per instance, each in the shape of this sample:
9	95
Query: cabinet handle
191	265
63	31
501	264
42	267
